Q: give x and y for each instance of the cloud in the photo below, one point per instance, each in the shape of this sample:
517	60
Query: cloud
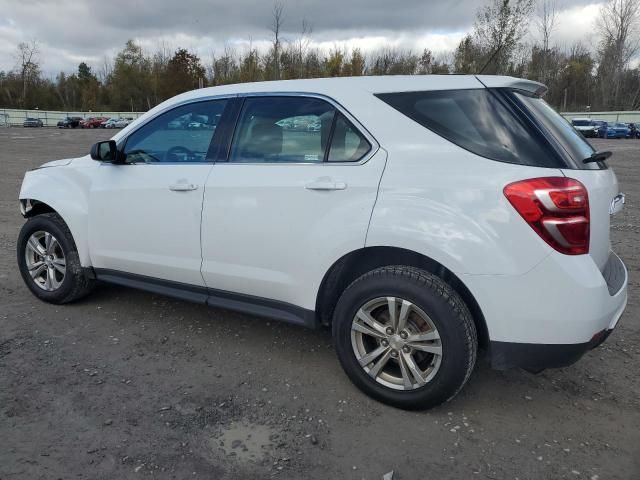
70	31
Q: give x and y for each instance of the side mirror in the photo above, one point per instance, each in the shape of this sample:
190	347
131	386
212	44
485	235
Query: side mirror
106	151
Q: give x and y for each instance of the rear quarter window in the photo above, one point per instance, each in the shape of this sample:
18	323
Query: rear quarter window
574	147
481	121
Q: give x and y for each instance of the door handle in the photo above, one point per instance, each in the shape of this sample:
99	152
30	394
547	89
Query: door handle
325	183
183	187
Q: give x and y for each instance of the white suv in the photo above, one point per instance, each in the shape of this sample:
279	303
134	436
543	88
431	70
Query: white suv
426	218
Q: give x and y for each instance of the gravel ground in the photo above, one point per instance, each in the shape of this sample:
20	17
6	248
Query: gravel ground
126	384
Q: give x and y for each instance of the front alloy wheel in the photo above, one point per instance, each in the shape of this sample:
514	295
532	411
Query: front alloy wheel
45	260
49	262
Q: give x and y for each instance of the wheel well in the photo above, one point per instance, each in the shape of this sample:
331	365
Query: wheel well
357	263
36	208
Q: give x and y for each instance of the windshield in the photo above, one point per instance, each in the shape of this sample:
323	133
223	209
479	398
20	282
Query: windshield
572	142
581	123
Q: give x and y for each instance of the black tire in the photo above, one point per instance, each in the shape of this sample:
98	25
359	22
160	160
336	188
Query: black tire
76	283
446	310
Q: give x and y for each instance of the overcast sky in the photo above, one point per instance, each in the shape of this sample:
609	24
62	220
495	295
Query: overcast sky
71	31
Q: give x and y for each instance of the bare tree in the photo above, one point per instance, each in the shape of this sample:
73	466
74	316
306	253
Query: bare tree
302	45
618	26
106	69
277	15
546	22
27	64
499	29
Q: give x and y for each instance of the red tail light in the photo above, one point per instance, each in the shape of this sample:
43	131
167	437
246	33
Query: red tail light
557	208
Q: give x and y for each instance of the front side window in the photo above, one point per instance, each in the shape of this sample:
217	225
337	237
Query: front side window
282	130
182	134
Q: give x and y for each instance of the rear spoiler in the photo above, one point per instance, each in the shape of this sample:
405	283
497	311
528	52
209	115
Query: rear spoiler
495	81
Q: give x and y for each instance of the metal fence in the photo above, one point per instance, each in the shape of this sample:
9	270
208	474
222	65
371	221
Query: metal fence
50	118
15	118
618	116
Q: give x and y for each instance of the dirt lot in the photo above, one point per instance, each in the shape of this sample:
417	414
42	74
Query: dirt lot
125	384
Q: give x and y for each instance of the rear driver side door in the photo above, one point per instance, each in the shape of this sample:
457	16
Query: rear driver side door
295	194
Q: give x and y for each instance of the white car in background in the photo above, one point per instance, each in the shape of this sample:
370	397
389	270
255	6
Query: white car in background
585	126
111	123
123	122
427	218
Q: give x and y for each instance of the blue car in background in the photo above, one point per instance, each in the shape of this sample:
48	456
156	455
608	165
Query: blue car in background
622	130
612	129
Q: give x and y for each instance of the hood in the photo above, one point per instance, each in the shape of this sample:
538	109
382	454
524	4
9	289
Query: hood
56	163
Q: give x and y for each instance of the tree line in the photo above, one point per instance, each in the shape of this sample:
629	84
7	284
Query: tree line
599	72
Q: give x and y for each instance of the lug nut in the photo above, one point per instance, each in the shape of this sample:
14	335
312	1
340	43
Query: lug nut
406	349
403	335
385	343
394	353
389	331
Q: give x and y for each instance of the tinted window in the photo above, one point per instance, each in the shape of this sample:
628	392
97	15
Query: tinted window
282	129
581	123
347	143
179	135
481	121
573	144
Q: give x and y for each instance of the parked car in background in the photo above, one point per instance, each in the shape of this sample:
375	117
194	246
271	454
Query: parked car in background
633	129
585	126
440	222
32	122
179	123
314	127
606	130
621	130
110	123
123	122
598	124
93	122
69	122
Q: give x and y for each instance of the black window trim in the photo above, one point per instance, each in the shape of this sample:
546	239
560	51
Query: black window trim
503	96
230	119
374	146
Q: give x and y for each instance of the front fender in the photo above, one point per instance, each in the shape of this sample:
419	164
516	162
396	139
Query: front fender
65	190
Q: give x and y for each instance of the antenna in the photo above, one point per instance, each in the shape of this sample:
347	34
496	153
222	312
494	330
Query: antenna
493	55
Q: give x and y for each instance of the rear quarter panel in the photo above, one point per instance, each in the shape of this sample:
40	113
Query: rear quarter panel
439	200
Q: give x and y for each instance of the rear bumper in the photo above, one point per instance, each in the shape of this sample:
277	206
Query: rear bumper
536	357
553	314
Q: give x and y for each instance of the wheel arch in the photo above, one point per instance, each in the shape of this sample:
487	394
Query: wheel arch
356	263
30	207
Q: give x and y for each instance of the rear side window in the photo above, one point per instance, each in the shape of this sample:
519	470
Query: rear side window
295	129
480	121
282	130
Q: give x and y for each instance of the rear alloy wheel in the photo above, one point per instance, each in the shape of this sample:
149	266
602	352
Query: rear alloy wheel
396	343
405	337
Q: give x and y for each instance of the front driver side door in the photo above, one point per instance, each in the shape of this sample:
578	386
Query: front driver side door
145	214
